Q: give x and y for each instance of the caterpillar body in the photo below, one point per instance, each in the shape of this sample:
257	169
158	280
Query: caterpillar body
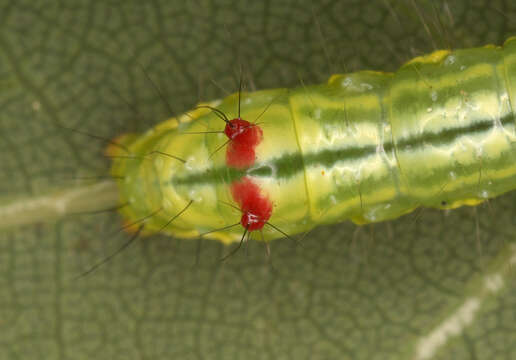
367	146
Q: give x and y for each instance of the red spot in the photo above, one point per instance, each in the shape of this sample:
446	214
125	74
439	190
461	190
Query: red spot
240	153
244	137
256	208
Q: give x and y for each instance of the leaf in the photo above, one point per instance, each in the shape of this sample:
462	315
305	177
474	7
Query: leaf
439	286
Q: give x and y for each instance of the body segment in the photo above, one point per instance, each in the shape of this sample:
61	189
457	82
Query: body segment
367	146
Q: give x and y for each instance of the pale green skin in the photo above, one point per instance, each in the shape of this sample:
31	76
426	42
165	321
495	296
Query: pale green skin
366	147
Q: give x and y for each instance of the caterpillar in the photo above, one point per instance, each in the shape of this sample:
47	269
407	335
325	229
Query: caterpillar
366	146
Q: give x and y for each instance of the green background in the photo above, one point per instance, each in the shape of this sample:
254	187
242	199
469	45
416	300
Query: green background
375	292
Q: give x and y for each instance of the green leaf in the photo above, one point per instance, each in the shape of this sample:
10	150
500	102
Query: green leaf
431	285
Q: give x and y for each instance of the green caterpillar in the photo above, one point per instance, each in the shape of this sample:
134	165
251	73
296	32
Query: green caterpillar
366	146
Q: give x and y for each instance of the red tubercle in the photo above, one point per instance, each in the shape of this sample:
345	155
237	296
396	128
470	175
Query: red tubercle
242	130
244	137
256	208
